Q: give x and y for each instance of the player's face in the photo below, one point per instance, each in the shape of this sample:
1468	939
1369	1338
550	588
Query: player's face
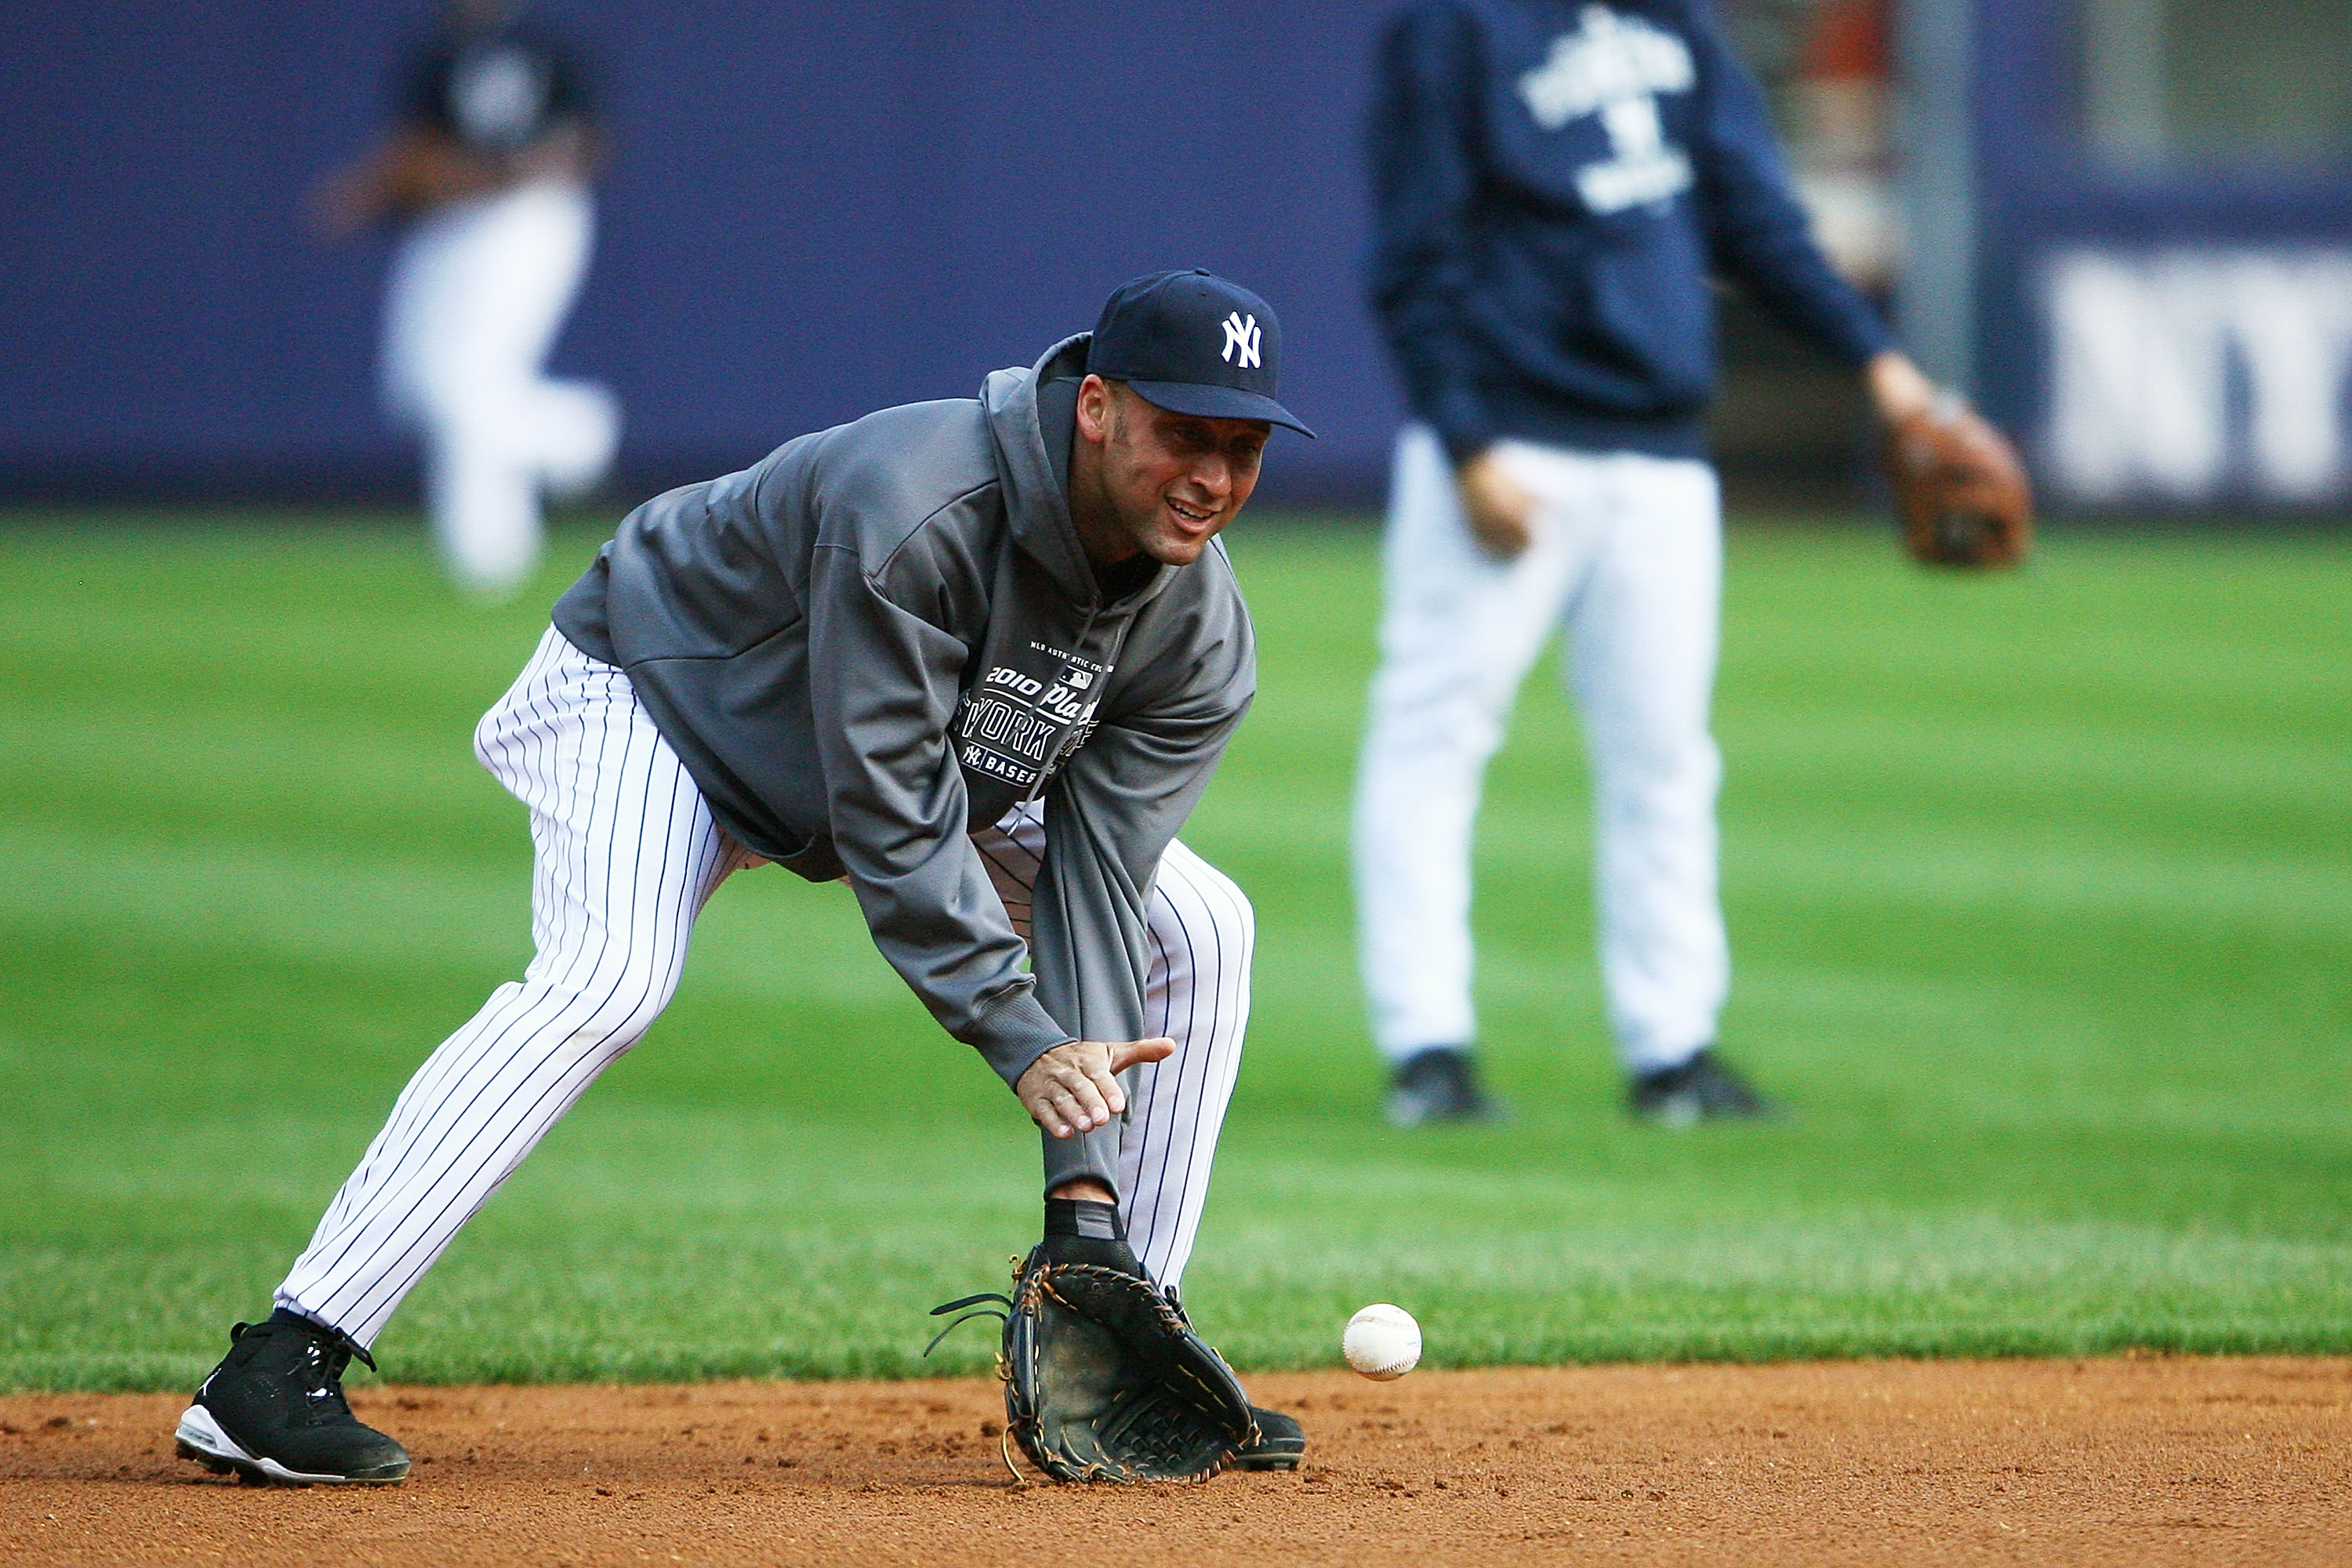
1170	482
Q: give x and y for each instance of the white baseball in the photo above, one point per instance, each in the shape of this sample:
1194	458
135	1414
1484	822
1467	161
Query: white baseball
1382	1342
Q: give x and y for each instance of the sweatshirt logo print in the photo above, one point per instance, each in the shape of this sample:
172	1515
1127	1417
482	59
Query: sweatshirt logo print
1242	335
1013	723
1615	67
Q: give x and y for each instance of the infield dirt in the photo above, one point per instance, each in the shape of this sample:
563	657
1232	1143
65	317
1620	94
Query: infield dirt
2139	1461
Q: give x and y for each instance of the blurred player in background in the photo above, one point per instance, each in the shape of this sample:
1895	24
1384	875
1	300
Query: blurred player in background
1556	187
489	174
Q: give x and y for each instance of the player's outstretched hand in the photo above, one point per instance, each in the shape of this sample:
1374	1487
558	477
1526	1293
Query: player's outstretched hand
1074	1087
1501	513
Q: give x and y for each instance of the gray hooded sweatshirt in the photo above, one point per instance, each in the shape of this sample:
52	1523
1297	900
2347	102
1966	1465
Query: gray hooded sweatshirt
882	637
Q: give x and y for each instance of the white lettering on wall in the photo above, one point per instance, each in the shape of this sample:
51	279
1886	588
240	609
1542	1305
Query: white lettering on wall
2187	375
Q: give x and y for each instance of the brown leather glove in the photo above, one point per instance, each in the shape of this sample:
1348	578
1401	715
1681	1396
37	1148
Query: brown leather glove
1959	491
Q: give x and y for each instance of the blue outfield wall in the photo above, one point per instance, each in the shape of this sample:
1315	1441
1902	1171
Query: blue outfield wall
817	210
814	210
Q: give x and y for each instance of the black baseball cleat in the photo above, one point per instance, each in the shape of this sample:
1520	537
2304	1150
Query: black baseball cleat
274	1412
1704	1088
1281	1443
1439	1084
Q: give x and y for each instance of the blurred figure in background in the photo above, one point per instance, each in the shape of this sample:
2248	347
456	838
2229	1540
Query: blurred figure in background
488	172
1556	185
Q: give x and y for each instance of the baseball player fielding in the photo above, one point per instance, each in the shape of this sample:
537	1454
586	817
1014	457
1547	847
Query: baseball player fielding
976	658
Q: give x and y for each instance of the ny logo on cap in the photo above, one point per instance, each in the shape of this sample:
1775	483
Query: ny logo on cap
1242	335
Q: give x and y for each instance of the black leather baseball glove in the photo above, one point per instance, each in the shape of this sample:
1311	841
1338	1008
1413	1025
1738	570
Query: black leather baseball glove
1105	1380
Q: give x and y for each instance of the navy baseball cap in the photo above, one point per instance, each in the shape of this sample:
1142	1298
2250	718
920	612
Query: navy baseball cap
1193	343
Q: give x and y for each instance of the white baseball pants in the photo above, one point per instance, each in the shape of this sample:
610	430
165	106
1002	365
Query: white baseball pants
477	292
626	854
1628	558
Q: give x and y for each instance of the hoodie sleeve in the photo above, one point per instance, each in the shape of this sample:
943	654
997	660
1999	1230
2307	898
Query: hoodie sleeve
1111	813
884	682
1760	235
1422	147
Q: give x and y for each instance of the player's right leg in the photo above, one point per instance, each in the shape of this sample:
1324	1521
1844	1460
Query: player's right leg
1641	662
1458	631
626	854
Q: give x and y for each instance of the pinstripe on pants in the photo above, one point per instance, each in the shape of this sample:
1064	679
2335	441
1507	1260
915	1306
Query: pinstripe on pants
625	855
1197	992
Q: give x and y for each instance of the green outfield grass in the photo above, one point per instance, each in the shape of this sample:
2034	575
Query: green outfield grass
2039	888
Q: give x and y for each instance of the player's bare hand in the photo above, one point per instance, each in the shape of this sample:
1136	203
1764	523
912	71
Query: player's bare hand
1501	513
1074	1087
1898	388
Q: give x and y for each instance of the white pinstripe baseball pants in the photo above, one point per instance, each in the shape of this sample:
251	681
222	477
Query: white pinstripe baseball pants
625	855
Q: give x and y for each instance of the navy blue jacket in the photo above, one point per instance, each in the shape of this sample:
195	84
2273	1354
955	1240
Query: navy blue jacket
1554	182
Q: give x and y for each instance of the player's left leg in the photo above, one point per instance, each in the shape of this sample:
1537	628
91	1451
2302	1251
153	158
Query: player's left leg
474	313
1202	934
1459	631
1641	658
444	377
565	430
1201	931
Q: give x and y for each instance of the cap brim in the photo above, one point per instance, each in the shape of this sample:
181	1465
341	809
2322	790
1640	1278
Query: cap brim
1217	402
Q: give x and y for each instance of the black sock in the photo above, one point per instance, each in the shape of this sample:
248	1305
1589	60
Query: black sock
1081	1230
